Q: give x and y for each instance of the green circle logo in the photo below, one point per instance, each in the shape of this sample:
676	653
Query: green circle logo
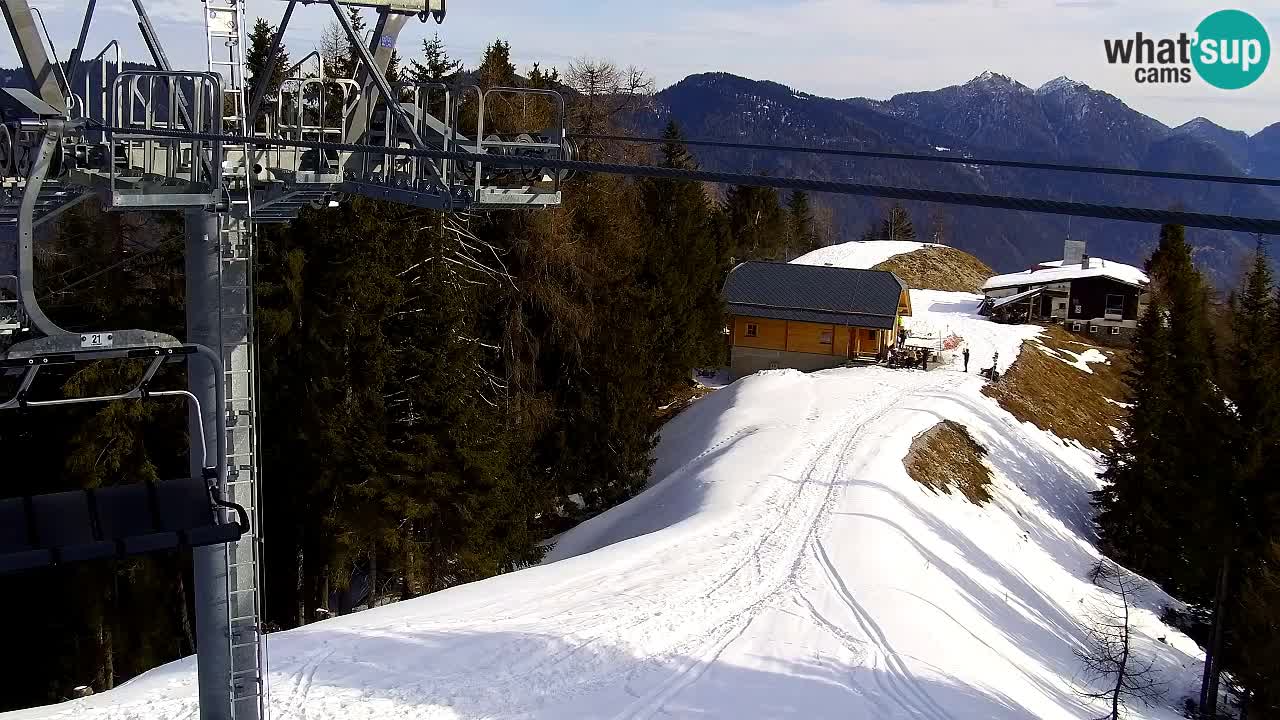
1232	49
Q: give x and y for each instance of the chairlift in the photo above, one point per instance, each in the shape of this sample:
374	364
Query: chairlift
38	531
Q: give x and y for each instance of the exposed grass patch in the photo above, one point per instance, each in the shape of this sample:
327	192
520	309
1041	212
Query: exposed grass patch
939	268
946	457
678	399
1043	389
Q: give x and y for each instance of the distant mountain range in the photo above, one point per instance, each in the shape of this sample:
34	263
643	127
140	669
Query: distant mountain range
991	116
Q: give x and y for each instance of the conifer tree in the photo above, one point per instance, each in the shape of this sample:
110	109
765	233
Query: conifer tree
1173	446
394	74
258	59
1254	510
543	79
1254	387
897	225
351	58
802	236
757	224
681	266
436	65
496	69
1257	668
1133	505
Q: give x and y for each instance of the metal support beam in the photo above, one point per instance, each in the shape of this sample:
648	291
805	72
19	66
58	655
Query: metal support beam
377	73
30	46
26	235
150	38
260	89
434	9
213	655
77	52
382	45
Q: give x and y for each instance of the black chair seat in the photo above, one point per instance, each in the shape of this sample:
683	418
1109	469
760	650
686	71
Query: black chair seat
86	552
64	524
25	560
116	521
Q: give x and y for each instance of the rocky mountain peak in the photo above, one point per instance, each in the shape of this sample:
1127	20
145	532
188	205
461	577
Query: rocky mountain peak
989	80
1061	84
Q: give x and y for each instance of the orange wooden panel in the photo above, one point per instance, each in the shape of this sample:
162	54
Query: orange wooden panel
808	338
866	341
770	334
842	345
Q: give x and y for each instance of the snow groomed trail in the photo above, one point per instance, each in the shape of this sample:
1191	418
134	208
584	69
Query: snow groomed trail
782	564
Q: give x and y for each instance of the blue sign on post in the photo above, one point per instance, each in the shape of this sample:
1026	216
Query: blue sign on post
387	41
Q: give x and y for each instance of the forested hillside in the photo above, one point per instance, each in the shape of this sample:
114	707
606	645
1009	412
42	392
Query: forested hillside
440	395
1190	499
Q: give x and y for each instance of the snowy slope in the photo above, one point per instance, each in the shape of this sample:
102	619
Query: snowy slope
859	254
782	564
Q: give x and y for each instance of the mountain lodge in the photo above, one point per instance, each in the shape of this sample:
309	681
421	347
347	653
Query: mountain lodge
1083	294
810	317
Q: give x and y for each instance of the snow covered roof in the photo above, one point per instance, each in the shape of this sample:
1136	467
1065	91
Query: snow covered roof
1015	298
1055	272
814	293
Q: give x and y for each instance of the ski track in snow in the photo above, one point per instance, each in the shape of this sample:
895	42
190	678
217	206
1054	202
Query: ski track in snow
802	513
781	564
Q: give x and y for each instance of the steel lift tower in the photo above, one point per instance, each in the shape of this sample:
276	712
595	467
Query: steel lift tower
151	140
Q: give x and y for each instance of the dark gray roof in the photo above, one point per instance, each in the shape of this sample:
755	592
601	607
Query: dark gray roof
814	293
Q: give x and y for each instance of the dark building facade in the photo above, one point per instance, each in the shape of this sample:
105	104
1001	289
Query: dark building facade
1093	297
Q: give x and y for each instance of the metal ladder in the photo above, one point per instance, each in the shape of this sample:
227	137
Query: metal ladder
244	602
225	31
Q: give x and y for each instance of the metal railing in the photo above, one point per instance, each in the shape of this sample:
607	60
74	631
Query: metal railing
313	109
144	100
420	102
11	319
84	102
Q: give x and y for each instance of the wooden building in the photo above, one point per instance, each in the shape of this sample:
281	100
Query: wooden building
810	317
1086	295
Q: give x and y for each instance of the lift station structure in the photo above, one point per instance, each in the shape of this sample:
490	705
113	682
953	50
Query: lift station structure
150	139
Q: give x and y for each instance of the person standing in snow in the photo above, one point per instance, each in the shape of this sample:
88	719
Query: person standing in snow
966	359
902	336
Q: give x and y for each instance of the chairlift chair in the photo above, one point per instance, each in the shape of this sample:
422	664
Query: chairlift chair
58	528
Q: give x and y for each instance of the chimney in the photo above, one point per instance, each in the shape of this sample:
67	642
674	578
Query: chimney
1084	262
1072	252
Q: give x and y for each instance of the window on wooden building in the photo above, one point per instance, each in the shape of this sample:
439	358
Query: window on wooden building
825	337
753	330
1115	305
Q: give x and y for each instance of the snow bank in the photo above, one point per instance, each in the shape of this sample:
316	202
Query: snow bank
782	564
859	254
1080	361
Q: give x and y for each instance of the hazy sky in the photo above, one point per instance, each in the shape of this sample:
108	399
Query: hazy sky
838	48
